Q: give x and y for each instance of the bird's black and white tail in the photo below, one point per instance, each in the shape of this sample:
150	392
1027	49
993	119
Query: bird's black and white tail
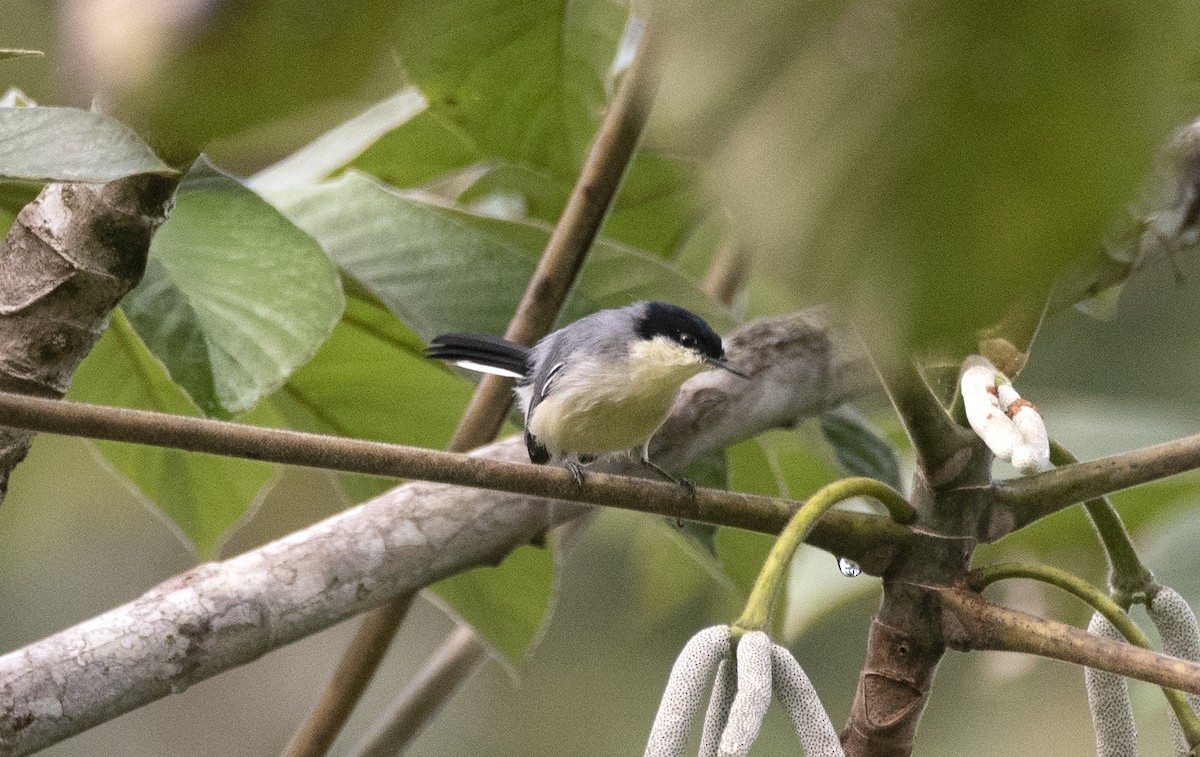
481	352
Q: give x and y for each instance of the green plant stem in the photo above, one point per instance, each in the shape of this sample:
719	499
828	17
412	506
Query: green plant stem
1129	579
936	438
757	615
1072	584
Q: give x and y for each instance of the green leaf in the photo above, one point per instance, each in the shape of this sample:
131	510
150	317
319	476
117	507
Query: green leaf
527	81
370	380
507	604
5	54
235	297
192	78
925	164
68	144
441	269
859	447
654	209
15	195
426	146
202	495
343	144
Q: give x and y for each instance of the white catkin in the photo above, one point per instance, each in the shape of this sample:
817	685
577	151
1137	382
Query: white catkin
1032	455
799	698
685	688
1176	624
977	383
719	703
1108	699
753	695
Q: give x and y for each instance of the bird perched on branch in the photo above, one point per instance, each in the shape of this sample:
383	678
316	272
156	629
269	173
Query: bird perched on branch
602	384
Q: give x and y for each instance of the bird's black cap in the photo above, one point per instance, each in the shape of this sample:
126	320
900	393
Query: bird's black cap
682	326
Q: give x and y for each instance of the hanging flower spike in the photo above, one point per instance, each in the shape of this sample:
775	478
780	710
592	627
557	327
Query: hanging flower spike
685	688
753	695
724	690
796	693
736	708
1010	426
1108	699
1176	624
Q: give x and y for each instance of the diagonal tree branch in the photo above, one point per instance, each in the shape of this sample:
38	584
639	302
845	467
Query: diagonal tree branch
68	259
453	663
225	614
939	443
593	193
973	623
1021	501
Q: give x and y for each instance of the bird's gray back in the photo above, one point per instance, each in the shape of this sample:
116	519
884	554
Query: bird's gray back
604	334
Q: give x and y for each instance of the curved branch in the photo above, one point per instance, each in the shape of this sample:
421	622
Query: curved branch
1021	501
973	623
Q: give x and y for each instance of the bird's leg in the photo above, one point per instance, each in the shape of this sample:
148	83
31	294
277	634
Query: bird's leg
576	469
685	483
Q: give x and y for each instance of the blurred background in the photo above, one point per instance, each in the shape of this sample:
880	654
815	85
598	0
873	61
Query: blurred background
76	540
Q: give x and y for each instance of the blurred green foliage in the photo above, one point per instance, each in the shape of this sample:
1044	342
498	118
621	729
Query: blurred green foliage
927	159
923	165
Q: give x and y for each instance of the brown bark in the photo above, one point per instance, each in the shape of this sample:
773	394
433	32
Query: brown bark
68	259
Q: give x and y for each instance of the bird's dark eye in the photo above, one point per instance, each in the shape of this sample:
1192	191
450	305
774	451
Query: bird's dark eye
687	340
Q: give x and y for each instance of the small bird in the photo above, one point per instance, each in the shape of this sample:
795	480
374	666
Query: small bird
602	384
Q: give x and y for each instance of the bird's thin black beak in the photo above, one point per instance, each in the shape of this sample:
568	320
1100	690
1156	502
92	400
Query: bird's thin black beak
722	364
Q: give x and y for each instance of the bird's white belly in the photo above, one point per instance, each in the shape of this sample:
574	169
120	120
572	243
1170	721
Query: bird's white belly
616	408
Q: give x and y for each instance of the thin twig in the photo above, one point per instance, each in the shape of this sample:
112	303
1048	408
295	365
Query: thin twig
750	511
1022	501
726	273
557	270
611	150
424	696
1130	580
346	686
973	623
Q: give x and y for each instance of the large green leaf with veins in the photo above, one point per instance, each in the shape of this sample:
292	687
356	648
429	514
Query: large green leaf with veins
235	297
68	144
527	81
202	495
439	268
